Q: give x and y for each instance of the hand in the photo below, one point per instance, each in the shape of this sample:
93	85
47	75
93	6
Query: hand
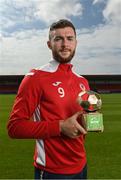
71	128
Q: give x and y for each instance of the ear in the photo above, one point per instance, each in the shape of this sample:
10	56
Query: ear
76	42
49	44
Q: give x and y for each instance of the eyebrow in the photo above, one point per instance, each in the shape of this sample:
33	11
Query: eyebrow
69	36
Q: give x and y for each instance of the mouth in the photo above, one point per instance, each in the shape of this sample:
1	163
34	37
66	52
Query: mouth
65	53
65	50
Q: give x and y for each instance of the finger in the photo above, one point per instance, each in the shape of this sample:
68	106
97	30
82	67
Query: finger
78	114
83	123
81	129
82	120
77	133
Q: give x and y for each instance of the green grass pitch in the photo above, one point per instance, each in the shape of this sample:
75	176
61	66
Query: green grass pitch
103	149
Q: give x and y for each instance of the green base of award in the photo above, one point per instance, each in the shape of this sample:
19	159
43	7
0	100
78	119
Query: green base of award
94	121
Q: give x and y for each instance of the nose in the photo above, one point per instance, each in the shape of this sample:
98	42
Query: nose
65	42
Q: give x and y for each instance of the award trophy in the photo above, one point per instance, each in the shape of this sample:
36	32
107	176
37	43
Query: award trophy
91	102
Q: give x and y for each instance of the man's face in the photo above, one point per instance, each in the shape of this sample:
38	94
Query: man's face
63	44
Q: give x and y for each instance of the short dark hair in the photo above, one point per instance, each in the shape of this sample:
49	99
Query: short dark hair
62	23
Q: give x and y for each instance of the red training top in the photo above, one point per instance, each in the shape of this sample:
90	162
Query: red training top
46	96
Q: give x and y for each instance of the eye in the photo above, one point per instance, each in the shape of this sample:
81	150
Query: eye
70	38
58	38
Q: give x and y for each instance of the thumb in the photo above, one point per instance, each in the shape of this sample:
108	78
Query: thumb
78	114
80	128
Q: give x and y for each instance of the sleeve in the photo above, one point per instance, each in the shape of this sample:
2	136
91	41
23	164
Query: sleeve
20	124
86	84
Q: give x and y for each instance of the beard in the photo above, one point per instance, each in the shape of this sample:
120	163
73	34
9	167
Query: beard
61	59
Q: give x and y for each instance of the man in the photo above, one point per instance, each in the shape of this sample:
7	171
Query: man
46	109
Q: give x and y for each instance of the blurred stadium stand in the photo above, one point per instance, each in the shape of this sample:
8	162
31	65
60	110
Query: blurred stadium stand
100	83
9	83
105	83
